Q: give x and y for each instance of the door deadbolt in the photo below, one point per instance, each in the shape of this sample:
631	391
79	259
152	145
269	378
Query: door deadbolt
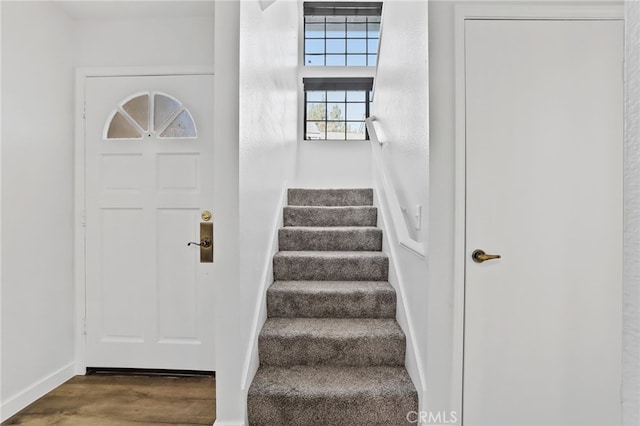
480	256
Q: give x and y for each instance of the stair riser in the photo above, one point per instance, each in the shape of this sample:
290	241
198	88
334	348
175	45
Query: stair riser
330	269
330	197
301	216
284	351
322	305
297	410
330	240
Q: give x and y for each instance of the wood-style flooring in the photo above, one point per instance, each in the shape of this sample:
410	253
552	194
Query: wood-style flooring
123	401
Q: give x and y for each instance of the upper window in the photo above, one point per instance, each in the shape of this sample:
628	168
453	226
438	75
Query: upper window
150	114
341	33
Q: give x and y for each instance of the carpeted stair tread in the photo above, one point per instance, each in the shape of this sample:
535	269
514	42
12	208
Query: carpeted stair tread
297	238
330	197
335	299
330	266
330	216
331	351
328	395
331	341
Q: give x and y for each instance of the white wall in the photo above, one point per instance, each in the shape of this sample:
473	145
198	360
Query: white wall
268	136
401	102
631	289
401	107
333	164
37	202
230	402
177	41
441	205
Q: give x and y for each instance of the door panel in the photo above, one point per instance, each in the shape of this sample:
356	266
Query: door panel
149	299
544	191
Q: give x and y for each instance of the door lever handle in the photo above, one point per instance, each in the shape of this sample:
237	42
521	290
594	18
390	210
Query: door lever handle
205	242
480	256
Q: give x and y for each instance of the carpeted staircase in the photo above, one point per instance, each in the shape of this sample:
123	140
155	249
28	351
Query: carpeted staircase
331	352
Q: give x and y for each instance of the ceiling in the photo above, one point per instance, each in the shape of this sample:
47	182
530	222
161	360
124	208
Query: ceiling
125	9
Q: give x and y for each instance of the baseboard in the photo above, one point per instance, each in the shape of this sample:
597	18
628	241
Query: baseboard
414	360
35	391
223	423
251	360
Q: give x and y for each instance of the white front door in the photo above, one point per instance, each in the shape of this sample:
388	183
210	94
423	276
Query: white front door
149	177
544	132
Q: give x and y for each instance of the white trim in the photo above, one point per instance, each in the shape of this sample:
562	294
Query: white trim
391	197
462	12
79	183
144	71
35	391
414	362
217	423
251	359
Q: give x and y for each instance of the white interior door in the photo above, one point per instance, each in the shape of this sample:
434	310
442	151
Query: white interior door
544	132
149	176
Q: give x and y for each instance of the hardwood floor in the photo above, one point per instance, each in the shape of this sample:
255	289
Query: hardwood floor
124	400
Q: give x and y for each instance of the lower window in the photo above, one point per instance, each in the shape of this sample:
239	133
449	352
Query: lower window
336	109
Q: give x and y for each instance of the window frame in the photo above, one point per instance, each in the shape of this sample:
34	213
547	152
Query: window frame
322	84
345	10
346	73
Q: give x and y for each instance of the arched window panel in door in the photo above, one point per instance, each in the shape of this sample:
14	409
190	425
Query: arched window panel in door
121	128
182	126
151	114
138	109
164	107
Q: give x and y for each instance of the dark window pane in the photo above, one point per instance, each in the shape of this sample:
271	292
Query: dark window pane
356	60
336	130
356	111
315	130
336	46
316	111
314	60
372	45
314	31
336	111
336	27
373	29
357	46
336	96
336	19
335	60
314	19
356	131
316	96
358	96
314	46
356	30
356	19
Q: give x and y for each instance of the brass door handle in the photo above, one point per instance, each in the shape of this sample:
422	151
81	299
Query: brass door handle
480	256
205	242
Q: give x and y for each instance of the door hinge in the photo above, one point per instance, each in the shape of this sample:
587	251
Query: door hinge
83	220
84	326
84	110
